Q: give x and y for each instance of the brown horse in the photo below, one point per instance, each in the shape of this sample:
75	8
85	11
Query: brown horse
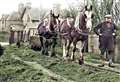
76	34
48	36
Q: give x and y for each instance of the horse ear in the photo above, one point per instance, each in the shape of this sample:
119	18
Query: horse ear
51	12
91	7
53	15
85	7
58	16
85	16
92	16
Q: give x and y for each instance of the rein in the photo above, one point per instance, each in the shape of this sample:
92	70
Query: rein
84	34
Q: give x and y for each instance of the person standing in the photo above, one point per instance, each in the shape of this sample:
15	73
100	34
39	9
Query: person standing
106	31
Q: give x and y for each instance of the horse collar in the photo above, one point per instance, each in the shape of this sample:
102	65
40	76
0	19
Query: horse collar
68	23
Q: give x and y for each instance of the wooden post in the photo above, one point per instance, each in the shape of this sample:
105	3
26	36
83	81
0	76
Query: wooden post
93	43
89	43
21	36
11	38
18	36
117	52
15	36
28	35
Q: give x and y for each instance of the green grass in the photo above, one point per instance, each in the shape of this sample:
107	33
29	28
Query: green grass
15	71
4	37
12	70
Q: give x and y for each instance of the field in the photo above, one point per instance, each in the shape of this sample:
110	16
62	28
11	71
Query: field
25	65
4	37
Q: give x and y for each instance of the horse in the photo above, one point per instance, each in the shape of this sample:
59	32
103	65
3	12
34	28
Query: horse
48	34
76	34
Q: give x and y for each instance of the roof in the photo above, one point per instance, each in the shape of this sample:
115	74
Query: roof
14	16
34	13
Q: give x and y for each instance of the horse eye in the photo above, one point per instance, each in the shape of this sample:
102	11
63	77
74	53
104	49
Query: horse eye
92	15
85	15
85	7
91	7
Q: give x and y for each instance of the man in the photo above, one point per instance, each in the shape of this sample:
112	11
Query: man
107	33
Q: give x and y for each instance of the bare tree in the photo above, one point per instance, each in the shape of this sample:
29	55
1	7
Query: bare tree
103	7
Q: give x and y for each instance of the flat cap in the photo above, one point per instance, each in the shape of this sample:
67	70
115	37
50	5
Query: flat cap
108	16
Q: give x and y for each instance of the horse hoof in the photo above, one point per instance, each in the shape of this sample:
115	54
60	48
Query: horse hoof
72	59
81	62
65	58
46	54
101	65
42	52
53	55
110	65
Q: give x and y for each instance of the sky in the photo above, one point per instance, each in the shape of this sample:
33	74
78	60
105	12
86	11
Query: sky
8	6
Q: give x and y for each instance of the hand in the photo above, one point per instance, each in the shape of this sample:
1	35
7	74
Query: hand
113	34
100	34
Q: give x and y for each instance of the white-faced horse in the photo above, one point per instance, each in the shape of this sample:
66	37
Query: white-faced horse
76	34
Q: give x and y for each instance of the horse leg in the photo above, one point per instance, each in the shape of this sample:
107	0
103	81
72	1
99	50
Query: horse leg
80	47
64	42
46	46
85	47
18	39
68	47
54	42
42	45
41	41
73	51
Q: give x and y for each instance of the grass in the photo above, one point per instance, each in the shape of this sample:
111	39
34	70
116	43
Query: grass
15	71
4	37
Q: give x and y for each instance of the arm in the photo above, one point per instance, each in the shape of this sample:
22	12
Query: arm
115	30
97	29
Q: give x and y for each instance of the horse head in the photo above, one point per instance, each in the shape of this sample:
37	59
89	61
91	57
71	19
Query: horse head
53	21
88	16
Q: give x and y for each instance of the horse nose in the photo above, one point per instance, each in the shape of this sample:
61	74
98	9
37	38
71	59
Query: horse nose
89	25
89	29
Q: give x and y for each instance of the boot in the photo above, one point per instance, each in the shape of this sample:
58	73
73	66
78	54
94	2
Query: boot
110	63
110	60
102	62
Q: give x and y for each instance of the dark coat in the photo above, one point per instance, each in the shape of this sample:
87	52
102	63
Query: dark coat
106	37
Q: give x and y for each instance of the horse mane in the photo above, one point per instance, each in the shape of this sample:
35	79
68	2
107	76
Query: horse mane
63	22
41	23
82	23
52	22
